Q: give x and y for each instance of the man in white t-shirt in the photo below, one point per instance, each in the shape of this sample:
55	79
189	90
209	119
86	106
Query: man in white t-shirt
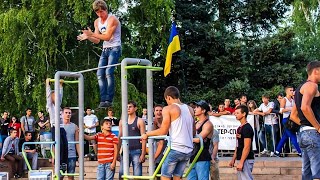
270	127
90	123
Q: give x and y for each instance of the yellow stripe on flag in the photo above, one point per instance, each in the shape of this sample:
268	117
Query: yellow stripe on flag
174	46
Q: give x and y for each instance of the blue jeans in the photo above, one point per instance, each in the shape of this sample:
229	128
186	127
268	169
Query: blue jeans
285	136
71	165
268	131
175	163
246	173
105	76
104	172
134	157
200	171
310	146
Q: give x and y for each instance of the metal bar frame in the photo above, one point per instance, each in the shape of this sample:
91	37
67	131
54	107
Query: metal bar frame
57	77
124	92
66	81
155	173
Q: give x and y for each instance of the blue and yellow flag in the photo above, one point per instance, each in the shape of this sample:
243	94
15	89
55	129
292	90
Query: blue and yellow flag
174	46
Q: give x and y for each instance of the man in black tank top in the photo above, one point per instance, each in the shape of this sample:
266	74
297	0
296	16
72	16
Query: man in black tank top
204	128
137	150
306	112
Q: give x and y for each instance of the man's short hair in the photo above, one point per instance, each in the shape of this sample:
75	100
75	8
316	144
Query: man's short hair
312	65
106	120
287	87
172	92
99	4
133	103
266	96
88	108
158	105
243	109
27	132
28	108
221	104
11	130
279	94
243	95
66	108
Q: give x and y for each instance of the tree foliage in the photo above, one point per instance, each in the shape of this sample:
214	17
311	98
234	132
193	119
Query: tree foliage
229	47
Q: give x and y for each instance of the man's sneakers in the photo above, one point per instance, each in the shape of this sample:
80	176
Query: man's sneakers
272	154
264	151
105	104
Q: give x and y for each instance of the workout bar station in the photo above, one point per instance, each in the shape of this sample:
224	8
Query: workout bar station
126	64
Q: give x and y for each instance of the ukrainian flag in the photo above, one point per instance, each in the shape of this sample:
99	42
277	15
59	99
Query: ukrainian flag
174	46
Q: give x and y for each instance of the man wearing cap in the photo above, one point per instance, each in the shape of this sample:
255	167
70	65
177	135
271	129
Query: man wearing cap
204	128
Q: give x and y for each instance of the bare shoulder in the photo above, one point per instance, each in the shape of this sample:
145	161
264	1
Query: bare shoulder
141	121
309	87
96	22
208	124
113	20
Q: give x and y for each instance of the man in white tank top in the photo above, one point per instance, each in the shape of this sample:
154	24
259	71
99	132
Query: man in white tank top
107	28
178	121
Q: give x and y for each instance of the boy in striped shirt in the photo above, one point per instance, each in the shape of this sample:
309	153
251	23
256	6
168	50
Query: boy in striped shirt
107	150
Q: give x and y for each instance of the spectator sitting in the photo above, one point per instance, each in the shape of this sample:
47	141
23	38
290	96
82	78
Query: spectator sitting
227	106
221	111
10	152
30	150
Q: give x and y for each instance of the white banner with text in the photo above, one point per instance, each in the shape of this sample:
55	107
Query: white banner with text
227	127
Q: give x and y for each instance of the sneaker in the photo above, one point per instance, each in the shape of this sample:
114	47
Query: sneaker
272	154
300	154
86	155
16	176
105	104
264	151
276	154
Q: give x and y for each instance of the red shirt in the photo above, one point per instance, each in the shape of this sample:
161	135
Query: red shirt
106	147
15	126
230	109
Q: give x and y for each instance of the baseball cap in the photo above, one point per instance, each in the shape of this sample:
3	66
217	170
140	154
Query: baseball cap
204	105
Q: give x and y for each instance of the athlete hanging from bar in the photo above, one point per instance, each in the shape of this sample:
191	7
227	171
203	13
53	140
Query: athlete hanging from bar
107	28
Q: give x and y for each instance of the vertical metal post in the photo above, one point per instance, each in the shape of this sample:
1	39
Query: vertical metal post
150	118
57	125
124	117
81	130
57	121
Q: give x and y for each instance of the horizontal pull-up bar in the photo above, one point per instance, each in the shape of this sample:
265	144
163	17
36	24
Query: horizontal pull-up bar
150	137
93	69
152	68
64	81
